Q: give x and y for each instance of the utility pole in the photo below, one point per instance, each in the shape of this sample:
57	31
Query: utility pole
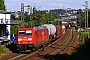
30	12
85	18
86	15
22	14
86	4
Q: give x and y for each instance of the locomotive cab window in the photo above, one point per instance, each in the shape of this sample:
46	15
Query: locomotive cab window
21	32
26	32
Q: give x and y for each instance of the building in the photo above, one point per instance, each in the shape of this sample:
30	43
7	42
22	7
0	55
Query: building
5	22
5	25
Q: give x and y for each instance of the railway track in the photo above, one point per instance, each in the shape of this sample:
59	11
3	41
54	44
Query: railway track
52	50
51	55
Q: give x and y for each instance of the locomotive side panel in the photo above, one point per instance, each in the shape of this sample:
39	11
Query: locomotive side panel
41	36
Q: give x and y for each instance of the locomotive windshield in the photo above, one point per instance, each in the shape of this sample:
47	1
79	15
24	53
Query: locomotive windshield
25	32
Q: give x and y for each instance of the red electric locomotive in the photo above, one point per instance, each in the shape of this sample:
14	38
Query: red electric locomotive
30	38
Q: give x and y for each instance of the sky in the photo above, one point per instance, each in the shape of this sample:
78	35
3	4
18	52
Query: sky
15	5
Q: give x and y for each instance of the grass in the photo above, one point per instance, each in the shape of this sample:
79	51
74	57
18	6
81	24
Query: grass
1	49
4	51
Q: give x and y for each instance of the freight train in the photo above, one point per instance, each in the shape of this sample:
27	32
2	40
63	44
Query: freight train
32	38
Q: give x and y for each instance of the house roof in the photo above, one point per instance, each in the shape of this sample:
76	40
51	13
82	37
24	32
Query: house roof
4	12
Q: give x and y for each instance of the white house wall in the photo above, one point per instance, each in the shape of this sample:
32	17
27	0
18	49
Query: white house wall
6	20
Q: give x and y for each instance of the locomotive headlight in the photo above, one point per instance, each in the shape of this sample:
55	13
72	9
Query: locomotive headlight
29	39
19	39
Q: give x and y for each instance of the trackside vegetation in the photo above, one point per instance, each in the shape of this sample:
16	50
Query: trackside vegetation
83	52
4	51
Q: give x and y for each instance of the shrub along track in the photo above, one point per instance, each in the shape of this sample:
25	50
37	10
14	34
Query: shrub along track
52	50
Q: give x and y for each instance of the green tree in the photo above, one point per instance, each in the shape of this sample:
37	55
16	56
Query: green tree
38	18
15	27
2	6
89	17
83	18
13	17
